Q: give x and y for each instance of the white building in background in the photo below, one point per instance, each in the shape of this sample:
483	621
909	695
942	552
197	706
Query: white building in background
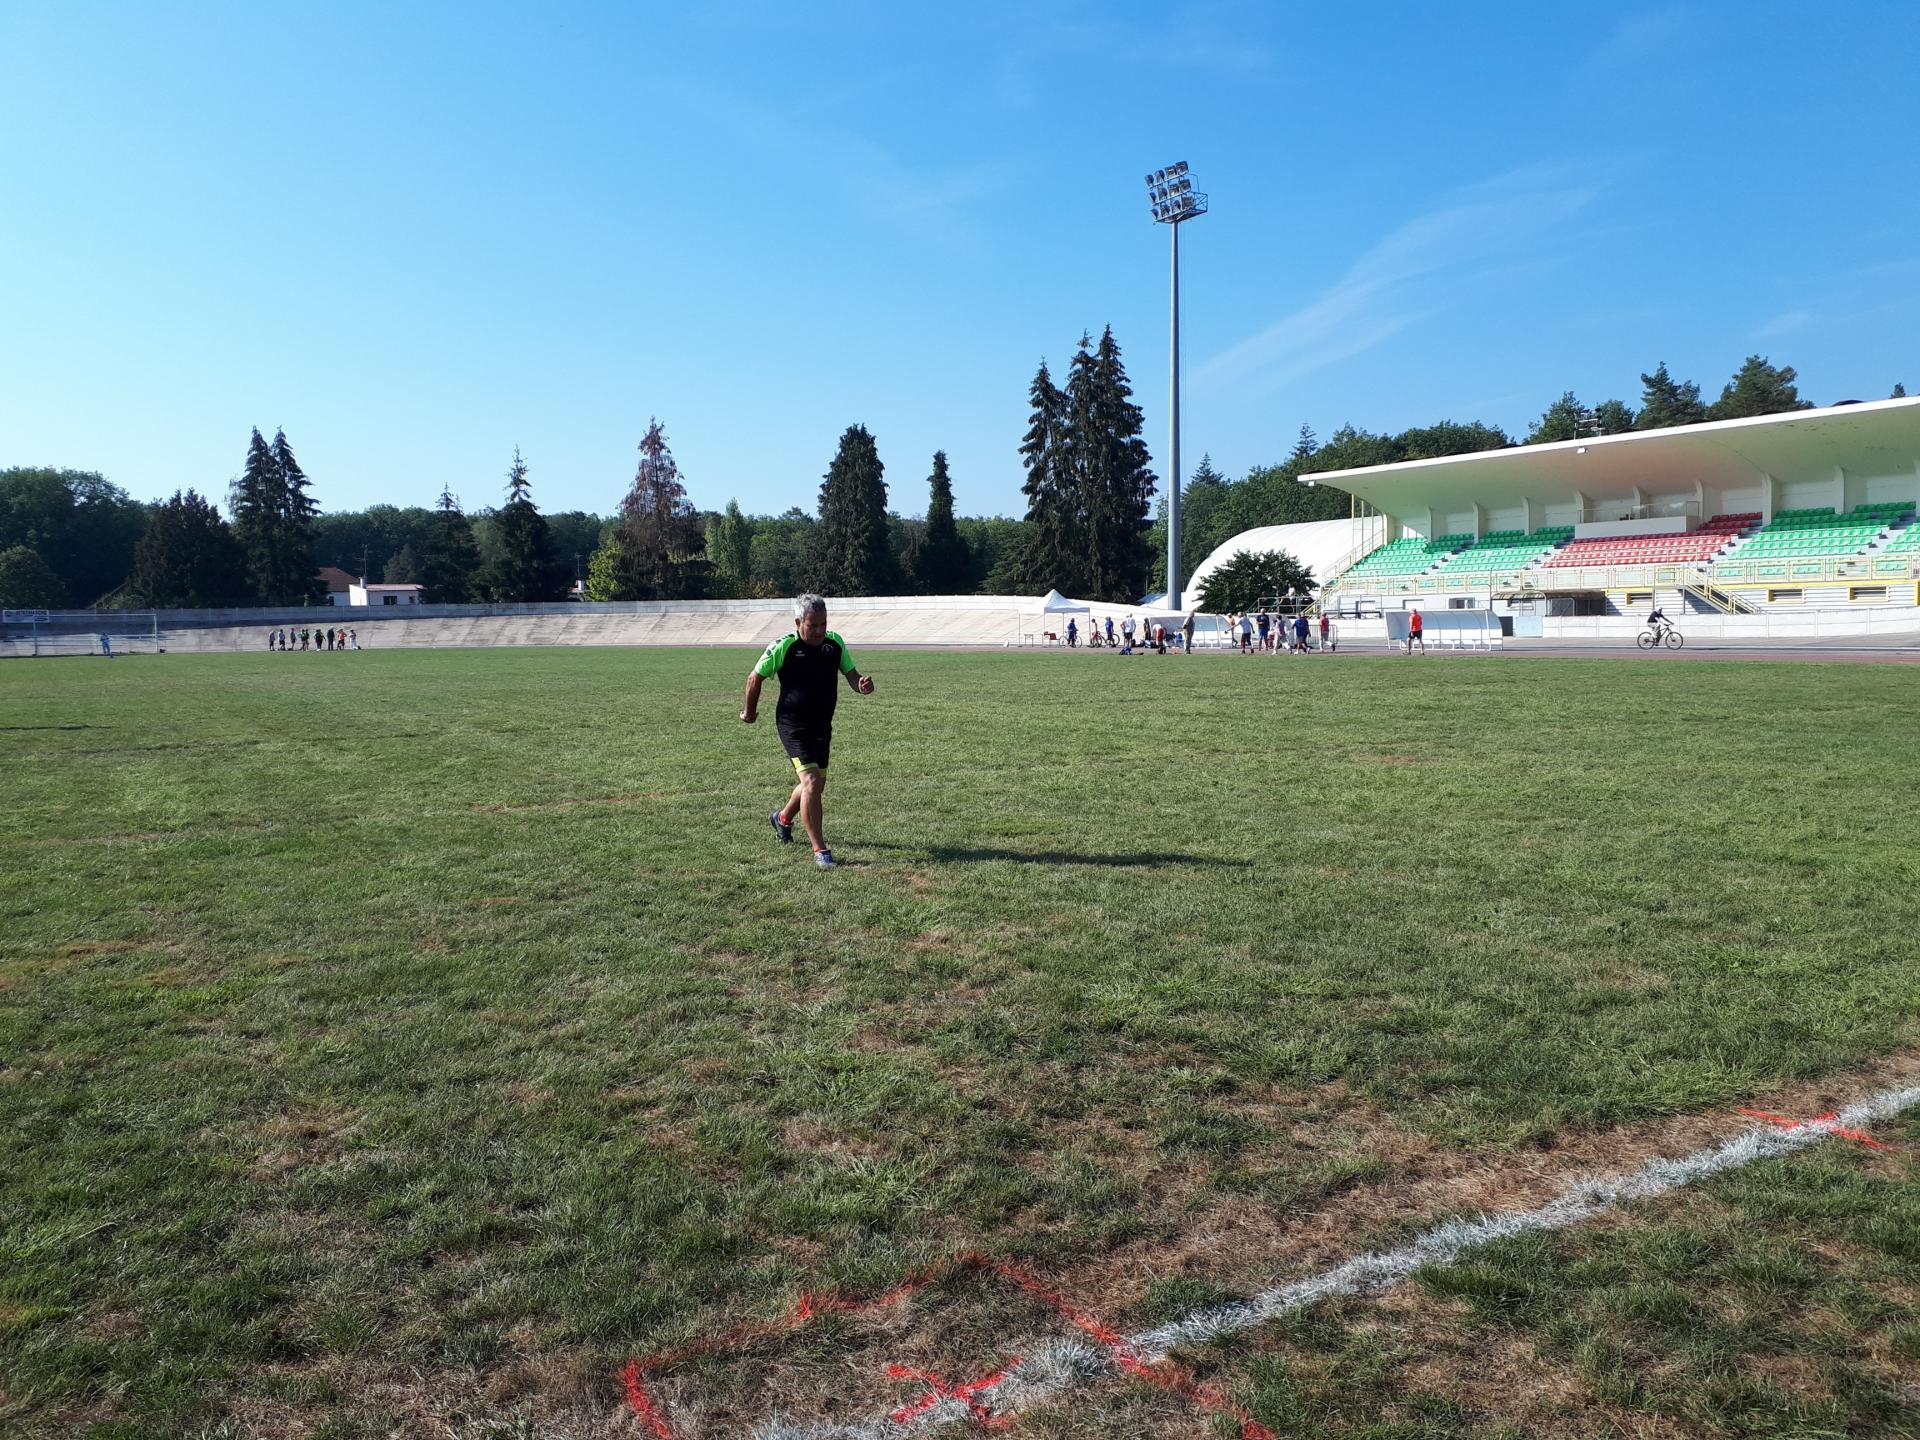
359	594
338	583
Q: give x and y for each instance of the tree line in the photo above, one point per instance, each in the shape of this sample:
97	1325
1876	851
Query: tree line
72	538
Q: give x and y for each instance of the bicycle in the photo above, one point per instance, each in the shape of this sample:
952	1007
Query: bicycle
1654	636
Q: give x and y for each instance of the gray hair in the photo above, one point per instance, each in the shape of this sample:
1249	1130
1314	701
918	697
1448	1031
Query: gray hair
809	604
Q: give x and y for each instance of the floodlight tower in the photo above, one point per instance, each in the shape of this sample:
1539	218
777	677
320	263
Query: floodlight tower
1174	200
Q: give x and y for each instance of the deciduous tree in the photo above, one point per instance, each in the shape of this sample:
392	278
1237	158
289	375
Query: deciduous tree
27	582
1565	419
730	548
1251	579
1613	417
189	557
82	525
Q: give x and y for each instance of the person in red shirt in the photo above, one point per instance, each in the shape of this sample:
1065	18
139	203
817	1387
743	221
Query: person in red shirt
1415	635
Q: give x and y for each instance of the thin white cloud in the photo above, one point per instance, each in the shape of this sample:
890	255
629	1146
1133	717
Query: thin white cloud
1203	40
1788	322
1650	36
1392	285
932	204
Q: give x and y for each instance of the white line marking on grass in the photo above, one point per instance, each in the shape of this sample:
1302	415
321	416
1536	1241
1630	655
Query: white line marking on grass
1052	1369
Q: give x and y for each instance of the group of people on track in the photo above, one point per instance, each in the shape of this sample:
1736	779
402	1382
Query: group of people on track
1264	634
332	638
1151	634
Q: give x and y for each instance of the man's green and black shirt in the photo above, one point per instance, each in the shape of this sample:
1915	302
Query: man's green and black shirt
809	678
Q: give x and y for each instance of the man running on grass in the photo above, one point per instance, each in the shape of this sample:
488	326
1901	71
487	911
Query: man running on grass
809	661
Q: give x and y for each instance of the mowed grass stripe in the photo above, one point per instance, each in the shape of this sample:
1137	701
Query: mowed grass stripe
429	1009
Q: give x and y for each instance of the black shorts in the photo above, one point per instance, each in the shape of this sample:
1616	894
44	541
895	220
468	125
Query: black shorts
808	746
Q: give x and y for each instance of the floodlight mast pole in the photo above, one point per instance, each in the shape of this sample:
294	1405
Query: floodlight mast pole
1173	439
1174	199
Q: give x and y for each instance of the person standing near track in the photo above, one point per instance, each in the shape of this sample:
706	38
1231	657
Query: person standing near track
1416	628
809	661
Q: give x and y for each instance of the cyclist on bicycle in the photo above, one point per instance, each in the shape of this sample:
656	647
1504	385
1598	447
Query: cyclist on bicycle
1658	620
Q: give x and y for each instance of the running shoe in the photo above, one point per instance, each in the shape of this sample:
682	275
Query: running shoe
781	832
824	859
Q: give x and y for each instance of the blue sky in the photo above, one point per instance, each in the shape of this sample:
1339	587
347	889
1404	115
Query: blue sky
419	239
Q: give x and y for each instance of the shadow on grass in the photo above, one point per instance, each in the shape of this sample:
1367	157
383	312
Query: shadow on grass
1143	860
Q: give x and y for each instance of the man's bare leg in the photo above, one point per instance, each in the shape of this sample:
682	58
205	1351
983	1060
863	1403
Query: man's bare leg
790	811
809	788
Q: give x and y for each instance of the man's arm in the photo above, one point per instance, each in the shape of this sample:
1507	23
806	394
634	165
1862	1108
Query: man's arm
862	684
750	707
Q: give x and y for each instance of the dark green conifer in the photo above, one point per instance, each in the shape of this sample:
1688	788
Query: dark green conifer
853	547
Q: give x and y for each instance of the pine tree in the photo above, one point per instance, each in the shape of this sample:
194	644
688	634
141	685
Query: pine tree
1666	402
1052	556
1899	391
658	550
853	550
526	570
942	564
1758	388
1565	419
451	569
299	579
730	548
1202	510
1116	478
1304	447
189	557
255	501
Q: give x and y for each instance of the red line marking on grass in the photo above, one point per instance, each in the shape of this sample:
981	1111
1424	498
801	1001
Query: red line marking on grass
644	1405
939	1389
1828	1122
1164	1374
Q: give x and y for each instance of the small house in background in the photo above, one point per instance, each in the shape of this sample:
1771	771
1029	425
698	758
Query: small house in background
359	594
339	583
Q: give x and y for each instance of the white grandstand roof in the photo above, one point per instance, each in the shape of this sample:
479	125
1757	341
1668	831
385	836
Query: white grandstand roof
1317	544
1878	437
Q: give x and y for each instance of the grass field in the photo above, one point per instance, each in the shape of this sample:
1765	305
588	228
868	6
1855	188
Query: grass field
398	1042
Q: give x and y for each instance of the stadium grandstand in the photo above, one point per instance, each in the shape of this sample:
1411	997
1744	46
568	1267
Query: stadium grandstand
1807	509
